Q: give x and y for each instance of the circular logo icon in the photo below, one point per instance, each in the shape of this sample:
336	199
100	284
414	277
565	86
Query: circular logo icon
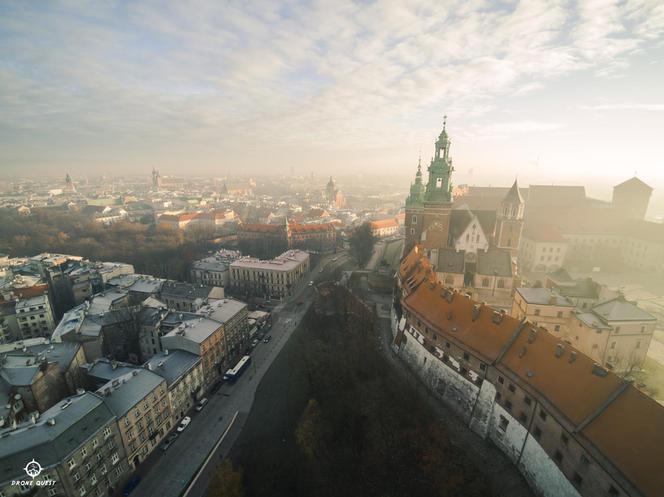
33	468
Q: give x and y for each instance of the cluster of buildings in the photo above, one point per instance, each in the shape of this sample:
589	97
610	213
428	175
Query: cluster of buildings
90	399
35	291
569	424
597	321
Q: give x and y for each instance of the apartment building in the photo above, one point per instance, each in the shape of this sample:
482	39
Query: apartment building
275	278
139	401
35	317
76	443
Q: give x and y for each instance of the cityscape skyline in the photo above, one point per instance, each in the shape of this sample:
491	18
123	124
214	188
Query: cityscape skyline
555	93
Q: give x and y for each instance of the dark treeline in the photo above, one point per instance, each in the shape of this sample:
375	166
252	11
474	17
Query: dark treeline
151	249
359	428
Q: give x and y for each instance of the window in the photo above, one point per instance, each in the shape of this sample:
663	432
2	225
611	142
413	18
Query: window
556	327
564	438
466	357
501	283
84	452
638	345
115	458
76	477
107	431
577	480
414	219
485	282
103	469
503	423
508	405
558	456
559	314
537	432
511	388
126	421
613	345
95	442
527	400
71	463
501	380
82	491
52	492
482	366
93	480
542	415
584	460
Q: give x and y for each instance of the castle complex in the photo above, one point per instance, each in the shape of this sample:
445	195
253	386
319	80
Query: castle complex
569	425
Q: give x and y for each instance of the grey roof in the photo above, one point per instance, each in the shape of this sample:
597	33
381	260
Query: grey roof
104	370
450	261
560	277
222	310
543	296
619	309
189	291
196	330
127	390
172	366
19	368
494	261
514	195
19	376
633	183
84	416
592	320
586	288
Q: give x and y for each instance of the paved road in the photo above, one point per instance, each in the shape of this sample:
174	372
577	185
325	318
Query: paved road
170	473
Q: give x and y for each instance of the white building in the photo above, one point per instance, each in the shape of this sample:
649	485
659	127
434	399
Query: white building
275	278
34	316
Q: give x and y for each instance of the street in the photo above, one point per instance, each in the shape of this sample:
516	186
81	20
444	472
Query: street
187	465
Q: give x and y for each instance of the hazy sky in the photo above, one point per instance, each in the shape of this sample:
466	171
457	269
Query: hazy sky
552	91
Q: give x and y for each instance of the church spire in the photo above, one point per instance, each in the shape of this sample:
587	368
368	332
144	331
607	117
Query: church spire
439	186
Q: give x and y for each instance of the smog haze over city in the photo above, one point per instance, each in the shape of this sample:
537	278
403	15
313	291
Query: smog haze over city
331	248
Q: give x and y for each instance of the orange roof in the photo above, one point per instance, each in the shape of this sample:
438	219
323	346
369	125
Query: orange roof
621	422
630	433
543	233
294	227
455	319
571	387
384	223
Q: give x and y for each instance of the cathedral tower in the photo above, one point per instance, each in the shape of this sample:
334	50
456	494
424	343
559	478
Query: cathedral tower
509	221
428	208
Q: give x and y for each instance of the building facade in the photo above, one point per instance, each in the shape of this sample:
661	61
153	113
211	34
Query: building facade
273	279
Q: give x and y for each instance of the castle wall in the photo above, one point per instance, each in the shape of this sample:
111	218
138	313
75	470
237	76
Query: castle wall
477	407
542	473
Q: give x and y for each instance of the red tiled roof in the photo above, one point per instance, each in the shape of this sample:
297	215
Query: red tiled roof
295	228
262	228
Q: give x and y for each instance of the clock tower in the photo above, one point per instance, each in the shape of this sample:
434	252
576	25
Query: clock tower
428	208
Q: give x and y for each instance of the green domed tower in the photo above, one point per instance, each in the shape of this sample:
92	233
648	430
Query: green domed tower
417	188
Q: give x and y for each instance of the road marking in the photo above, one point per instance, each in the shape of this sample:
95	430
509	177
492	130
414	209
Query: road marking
207	460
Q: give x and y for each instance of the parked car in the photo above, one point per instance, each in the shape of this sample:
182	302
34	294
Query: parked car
267	339
201	404
183	424
131	485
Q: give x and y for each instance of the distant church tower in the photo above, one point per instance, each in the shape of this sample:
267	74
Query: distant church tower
509	221
69	185
156	180
428	213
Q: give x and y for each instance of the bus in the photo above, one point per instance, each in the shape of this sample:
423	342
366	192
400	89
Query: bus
233	374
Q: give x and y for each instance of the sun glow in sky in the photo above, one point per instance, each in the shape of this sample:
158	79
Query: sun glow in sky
549	91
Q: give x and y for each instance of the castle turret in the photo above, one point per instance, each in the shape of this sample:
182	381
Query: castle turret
509	220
